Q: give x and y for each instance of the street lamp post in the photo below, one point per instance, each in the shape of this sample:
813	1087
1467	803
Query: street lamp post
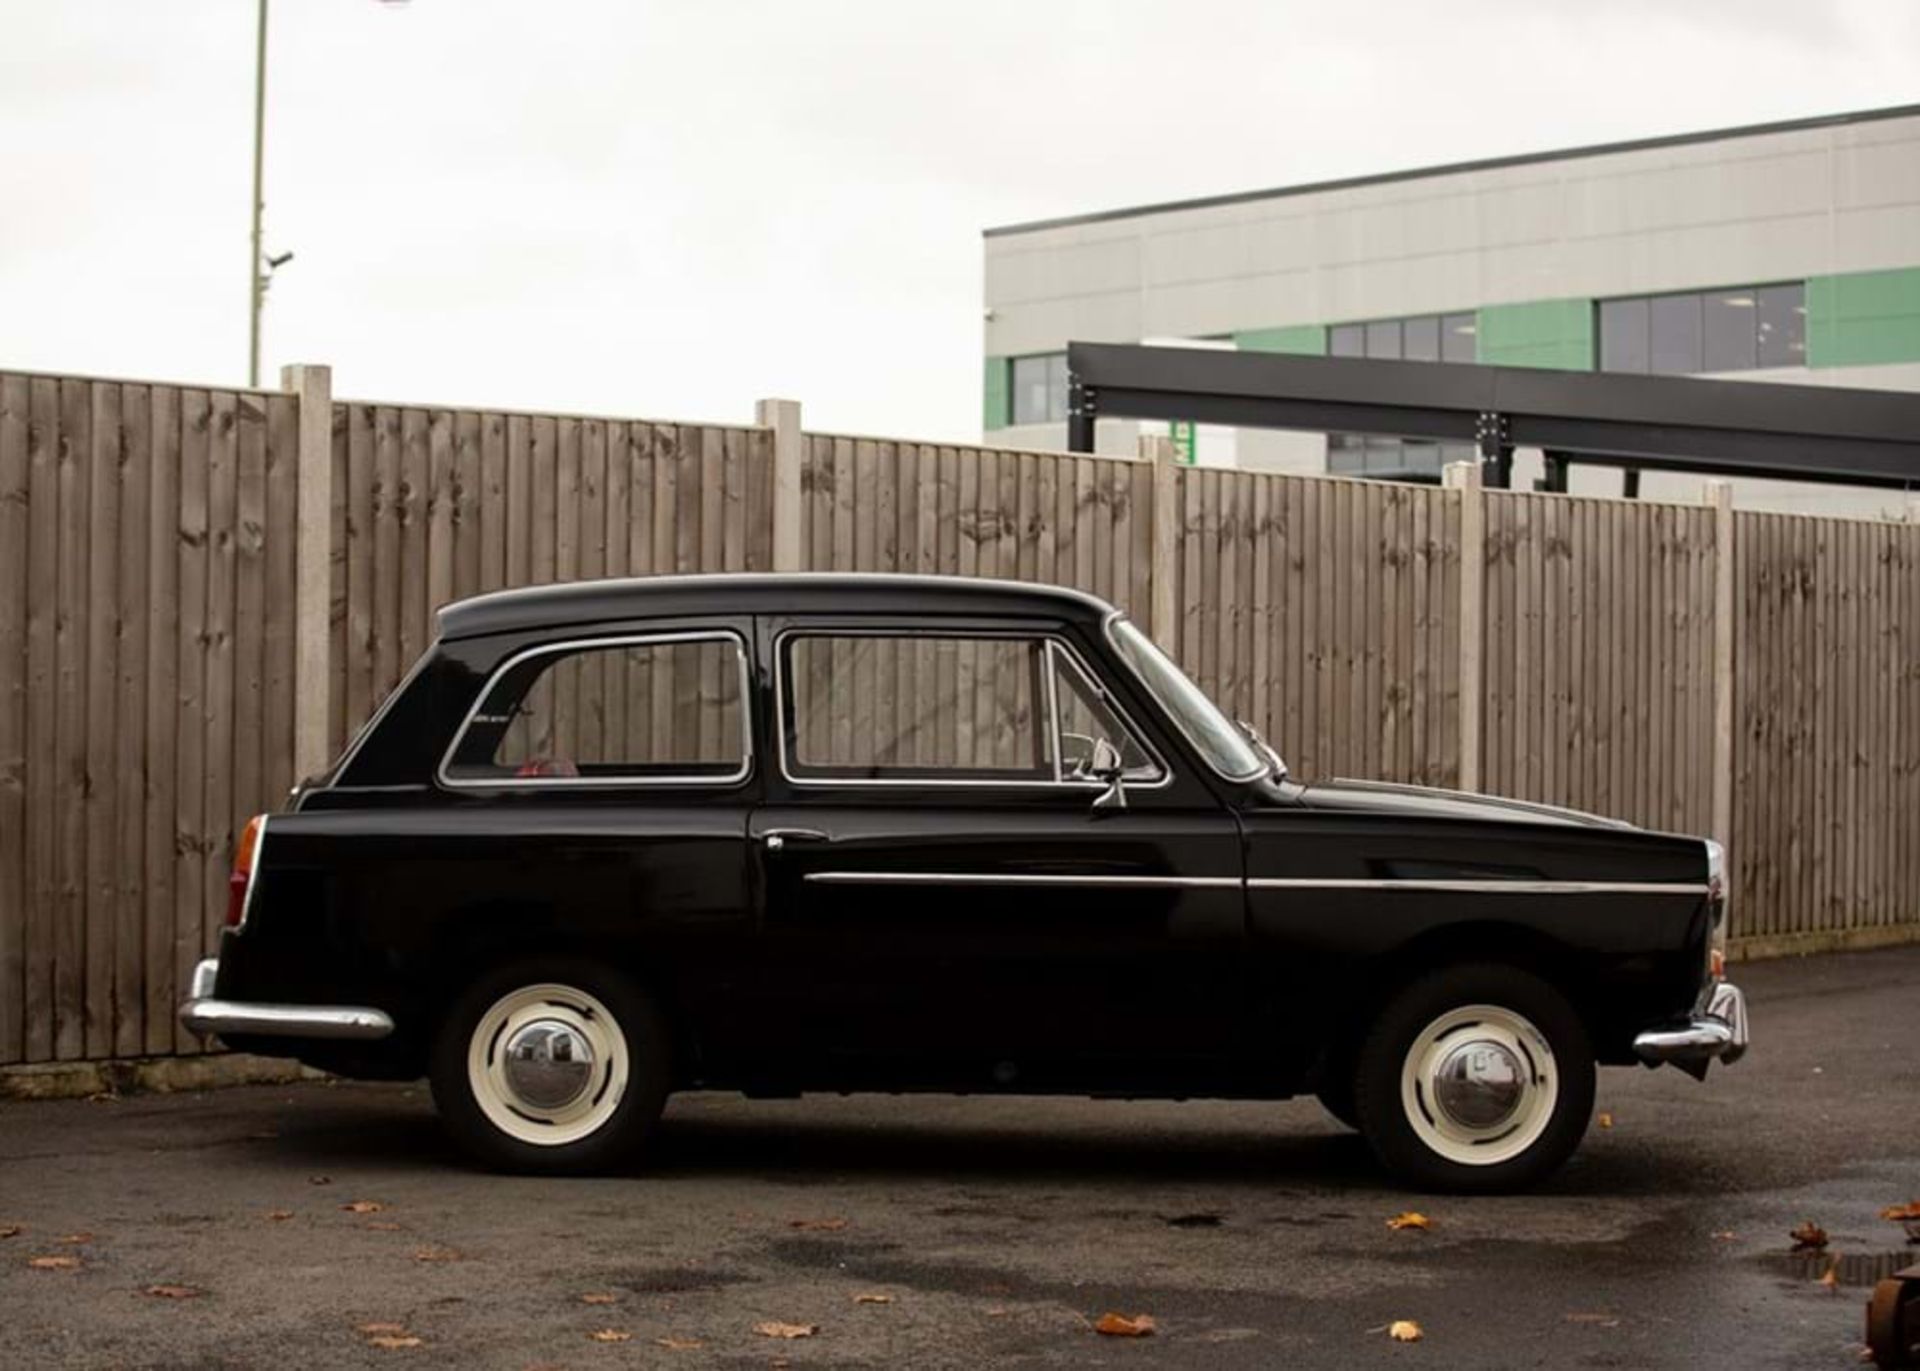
256	274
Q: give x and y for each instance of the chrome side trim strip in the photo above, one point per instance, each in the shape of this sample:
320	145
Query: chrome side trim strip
1257	883
1013	878
1483	887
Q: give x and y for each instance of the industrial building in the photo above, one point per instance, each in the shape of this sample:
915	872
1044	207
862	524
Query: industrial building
1778	252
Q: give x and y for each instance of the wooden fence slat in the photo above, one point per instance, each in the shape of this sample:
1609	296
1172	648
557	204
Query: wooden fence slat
16	538
160	856
134	460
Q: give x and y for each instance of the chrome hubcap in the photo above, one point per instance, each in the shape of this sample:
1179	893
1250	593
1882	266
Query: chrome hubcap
1478	1084
546	1064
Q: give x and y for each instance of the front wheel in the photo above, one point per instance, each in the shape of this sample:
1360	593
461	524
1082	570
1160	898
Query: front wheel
1476	1078
552	1067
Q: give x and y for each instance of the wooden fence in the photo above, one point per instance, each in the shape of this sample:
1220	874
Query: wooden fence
203	592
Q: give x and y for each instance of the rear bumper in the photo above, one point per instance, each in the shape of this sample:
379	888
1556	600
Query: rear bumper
1717	1031
203	1014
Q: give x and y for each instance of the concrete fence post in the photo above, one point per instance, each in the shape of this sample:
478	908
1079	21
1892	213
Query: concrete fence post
789	455
1466	478
1719	495
1164	573
313	562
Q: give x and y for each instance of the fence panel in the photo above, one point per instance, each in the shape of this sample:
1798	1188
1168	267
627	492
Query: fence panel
1599	656
1827	726
145	687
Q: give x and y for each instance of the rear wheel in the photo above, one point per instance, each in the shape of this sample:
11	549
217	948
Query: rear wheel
1475	1078
551	1066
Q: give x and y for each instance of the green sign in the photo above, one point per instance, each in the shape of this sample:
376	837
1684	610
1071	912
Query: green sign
1184	442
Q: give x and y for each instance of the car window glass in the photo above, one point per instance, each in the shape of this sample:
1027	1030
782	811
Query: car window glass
1086	719
879	706
629	711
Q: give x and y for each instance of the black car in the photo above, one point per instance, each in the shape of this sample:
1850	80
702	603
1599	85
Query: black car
840	832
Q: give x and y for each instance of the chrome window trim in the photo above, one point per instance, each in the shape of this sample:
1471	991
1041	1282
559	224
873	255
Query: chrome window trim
1106	628
1469	887
731	779
782	700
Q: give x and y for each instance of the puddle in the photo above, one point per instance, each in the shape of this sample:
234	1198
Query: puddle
1852	1268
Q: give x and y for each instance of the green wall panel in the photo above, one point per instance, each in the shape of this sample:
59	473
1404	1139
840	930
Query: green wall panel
1864	318
1309	340
1557	334
995	398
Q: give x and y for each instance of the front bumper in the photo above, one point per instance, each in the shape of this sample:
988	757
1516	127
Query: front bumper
1717	1031
203	1014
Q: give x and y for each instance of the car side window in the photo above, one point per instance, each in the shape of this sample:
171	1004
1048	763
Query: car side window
913	707
662	710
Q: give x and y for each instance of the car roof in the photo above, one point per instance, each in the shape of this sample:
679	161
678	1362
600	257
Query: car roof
641	597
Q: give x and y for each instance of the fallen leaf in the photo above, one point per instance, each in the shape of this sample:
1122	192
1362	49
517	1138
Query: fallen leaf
393	1342
1605	1120
1410	1219
1899	1213
279	1215
363	1207
1832	1279
1725	1235
1404	1330
678	1344
375	1329
174	1292
1809	1235
54	1263
818	1225
775	1329
319	1180
1121	1326
76	1238
436	1254
611	1335
996	1312
873	1299
1603	1320
9	1230
599	1297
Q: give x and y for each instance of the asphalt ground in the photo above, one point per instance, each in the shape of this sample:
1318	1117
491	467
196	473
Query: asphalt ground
926	1232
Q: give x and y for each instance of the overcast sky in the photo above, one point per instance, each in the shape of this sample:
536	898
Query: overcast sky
667	208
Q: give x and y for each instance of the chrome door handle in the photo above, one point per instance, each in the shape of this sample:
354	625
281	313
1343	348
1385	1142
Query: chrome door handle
778	838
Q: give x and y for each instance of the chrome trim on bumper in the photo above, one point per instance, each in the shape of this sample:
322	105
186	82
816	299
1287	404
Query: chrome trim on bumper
205	1015
1717	1031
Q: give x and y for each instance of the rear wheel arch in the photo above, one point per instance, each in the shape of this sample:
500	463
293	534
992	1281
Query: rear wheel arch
479	941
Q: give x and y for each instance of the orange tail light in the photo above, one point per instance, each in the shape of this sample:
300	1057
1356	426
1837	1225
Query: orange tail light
241	878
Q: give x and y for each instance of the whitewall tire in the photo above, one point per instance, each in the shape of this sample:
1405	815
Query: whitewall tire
551	1067
1477	1077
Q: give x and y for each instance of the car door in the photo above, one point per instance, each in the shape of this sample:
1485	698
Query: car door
944	902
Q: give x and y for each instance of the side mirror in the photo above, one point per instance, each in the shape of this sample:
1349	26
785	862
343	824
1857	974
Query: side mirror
1107	765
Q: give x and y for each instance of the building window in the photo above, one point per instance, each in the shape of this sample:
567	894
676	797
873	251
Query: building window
1422	338
1737	329
1040	389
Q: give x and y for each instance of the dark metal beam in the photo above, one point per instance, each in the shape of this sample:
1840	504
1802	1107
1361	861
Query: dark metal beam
1792	432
